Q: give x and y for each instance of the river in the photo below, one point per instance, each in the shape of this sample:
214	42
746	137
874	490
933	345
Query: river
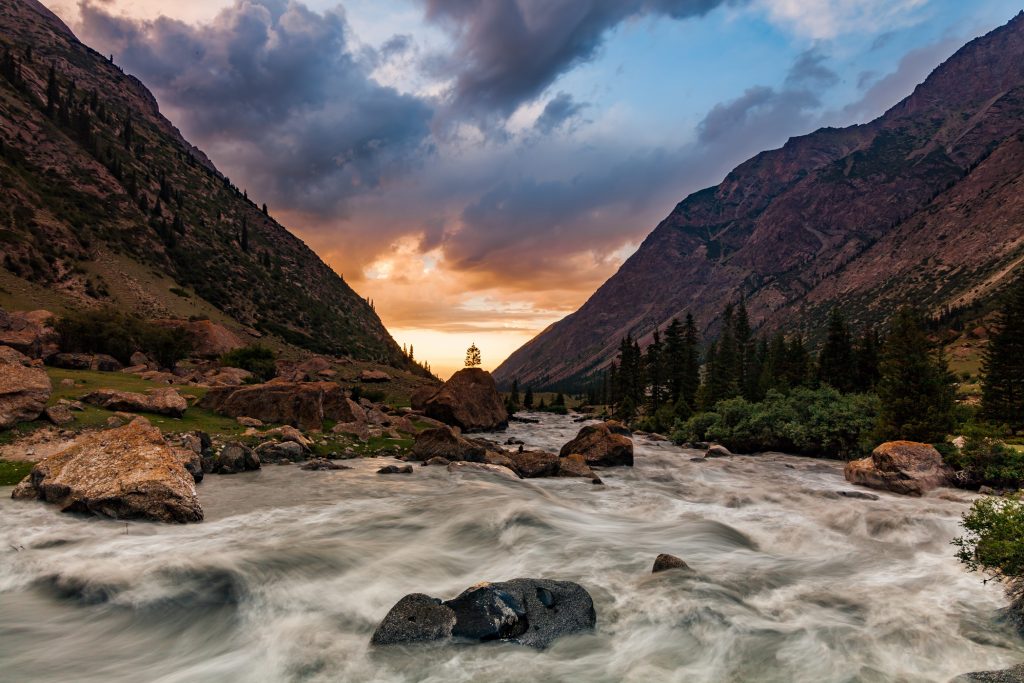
292	570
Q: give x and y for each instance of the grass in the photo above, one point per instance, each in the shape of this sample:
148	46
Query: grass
13	472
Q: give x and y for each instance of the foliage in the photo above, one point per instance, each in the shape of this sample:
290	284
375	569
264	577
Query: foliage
473	356
257	359
372	395
994	542
984	460
1003	363
821	422
917	391
117	334
12	472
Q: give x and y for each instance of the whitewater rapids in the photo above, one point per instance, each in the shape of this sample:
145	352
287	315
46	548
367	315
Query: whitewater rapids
292	570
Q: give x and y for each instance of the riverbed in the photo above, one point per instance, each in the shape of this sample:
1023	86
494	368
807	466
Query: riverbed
292	570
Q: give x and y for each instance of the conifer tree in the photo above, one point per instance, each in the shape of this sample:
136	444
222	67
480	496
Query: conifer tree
691	363
835	363
654	364
528	398
798	363
1002	389
916	388
472	356
674	360
866	356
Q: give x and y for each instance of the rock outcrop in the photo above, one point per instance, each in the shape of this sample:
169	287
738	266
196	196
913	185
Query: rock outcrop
469	401
124	473
97	362
445	443
233	458
209	339
29	332
164	401
901	467
600	447
531	612
24	390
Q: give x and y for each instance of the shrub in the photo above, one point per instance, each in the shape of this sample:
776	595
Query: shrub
821	422
257	359
371	395
984	460
118	334
994	542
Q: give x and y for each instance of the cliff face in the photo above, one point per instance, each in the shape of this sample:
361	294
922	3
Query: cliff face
924	205
104	202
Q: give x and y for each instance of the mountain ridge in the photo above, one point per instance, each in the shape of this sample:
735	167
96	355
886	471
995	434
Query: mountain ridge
798	229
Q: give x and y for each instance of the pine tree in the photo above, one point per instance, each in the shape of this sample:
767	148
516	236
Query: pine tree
472	356
691	363
798	363
916	390
1002	388
835	363
654	364
515	393
674	360
724	371
528	398
866	361
747	373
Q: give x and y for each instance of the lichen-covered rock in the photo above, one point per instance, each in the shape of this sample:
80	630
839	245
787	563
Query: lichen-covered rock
904	467
576	466
469	401
24	390
124	473
600	447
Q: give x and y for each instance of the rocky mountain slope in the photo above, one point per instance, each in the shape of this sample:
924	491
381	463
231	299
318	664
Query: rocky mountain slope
924	205
103	202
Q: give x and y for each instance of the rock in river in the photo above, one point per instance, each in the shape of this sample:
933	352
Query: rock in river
531	612
124	473
470	401
600	446
901	467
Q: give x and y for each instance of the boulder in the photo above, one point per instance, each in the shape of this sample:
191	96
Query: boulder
418	399
289	433
445	443
600	447
479	468
1011	675
533	464
395	469
59	415
321	464
97	362
226	377
499	459
307	371
374	376
29	332
300	404
209	339
124	473
233	458
664	563
24	390
164	401
531	612
341	408
470	401
357	429
276	451
249	422
717	451
139	358
439	461
192	462
575	465
904	467
616	427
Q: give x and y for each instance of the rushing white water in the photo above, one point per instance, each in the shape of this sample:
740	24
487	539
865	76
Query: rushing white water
289	575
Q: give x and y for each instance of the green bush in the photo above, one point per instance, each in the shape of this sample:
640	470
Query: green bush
984	460
994	542
257	359
371	395
820	422
118	334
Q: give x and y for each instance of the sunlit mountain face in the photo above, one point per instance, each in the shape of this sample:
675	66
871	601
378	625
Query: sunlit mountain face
478	169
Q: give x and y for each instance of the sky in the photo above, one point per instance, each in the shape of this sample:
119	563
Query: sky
478	168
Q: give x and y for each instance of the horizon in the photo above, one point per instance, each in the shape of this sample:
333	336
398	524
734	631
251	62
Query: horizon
485	206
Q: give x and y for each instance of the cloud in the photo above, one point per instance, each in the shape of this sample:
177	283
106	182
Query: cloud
809	71
508	52
824	19
276	88
561	109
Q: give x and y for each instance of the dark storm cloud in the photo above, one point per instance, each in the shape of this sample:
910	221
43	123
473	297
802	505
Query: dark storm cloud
809	71
561	109
274	87
509	51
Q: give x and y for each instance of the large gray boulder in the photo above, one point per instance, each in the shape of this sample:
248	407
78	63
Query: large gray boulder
531	612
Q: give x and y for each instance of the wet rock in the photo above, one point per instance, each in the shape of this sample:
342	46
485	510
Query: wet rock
416	618
902	467
482	468
438	461
860	495
534	464
1012	675
717	451
470	401
531	612
192	462
321	464
444	442
165	401
514	442
24	390
125	473
273	451
616	427
395	469
664	563
576	466
600	447
233	458
499	459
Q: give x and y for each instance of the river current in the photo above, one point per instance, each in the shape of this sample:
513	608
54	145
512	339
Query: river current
292	570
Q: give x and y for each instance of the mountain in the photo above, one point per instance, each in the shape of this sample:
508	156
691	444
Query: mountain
924	205
104	202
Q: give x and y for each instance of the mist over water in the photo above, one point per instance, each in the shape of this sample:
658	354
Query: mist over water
292	571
